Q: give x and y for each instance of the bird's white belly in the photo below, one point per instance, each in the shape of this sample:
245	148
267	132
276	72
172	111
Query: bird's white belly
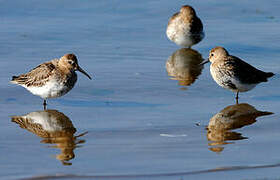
242	87
48	122
51	89
183	40
179	33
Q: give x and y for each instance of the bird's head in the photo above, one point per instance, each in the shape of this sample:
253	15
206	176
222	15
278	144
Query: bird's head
187	11
70	61
218	53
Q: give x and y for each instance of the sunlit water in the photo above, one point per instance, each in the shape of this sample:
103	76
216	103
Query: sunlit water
133	121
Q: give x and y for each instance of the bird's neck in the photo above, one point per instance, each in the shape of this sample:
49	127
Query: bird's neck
63	67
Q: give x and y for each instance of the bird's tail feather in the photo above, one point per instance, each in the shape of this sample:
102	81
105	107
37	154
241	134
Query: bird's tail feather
14	80
14	77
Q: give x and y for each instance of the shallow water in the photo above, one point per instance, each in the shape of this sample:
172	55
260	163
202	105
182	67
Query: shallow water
135	121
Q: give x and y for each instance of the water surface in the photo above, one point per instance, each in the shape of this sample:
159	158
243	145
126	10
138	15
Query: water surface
135	121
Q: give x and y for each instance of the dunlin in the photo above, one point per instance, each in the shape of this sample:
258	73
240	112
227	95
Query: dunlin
232	73
51	79
185	28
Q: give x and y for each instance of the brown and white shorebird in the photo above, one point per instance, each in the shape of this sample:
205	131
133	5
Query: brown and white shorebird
51	79
232	73
185	28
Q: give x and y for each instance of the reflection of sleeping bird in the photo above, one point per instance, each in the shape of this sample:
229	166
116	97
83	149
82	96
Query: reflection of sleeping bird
184	65
55	128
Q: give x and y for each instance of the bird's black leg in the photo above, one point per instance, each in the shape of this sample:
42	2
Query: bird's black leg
237	97
45	104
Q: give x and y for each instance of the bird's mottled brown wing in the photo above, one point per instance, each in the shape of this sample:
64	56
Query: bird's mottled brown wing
197	30
245	72
37	76
27	124
196	26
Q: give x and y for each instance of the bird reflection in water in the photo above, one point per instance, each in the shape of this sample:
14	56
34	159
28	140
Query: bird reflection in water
55	128
232	117
184	65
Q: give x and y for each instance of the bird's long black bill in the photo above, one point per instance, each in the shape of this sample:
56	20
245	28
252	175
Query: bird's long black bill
82	71
204	62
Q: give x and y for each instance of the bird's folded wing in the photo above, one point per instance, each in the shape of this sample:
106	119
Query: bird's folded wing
196	26
245	72
37	76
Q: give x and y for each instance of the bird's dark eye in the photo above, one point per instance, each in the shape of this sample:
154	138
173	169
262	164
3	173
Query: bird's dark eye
71	62
212	54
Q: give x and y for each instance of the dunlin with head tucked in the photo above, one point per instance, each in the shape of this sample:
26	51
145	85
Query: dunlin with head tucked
185	28
232	73
51	79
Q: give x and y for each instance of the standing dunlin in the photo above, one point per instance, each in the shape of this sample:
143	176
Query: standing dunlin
185	28
232	73
51	79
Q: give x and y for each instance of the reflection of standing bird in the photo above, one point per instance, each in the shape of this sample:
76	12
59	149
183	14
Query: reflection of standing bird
235	116
184	66
51	79
55	128
185	28
231	117
232	73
